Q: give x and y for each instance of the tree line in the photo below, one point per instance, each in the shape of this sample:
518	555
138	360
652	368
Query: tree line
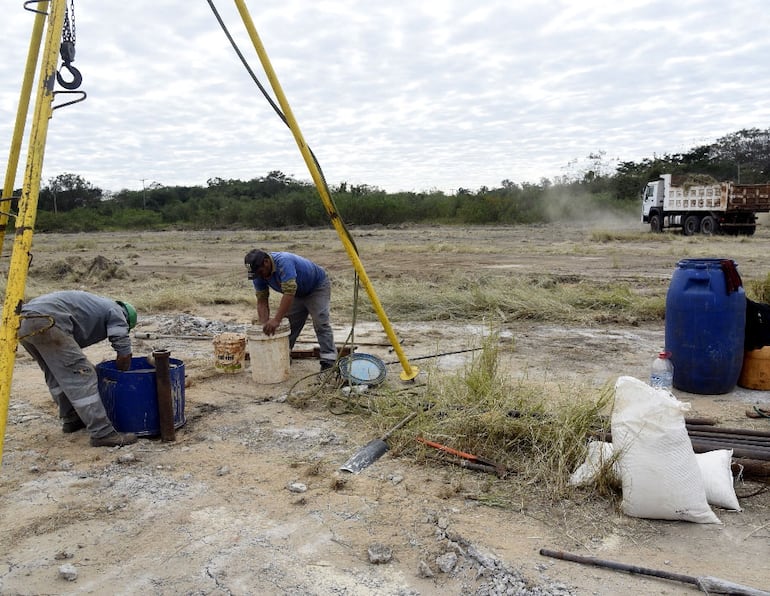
69	203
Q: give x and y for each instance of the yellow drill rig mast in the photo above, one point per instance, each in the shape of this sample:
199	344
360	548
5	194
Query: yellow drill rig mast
52	13
53	17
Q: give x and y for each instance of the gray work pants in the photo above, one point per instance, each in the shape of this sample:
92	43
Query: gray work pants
315	304
70	377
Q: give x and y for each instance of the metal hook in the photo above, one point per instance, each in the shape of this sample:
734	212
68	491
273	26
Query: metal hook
69	103
77	78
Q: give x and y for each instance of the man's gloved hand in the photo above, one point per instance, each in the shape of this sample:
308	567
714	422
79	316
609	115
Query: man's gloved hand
123	362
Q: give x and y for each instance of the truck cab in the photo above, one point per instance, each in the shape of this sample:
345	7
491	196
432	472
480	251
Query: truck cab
652	202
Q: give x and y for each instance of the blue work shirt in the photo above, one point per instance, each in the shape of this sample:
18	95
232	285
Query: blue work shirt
290	267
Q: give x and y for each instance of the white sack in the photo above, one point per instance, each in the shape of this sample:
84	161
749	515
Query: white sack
715	468
599	453
717	474
659	474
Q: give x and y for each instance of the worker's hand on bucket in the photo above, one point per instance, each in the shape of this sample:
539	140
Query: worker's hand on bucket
270	327
123	362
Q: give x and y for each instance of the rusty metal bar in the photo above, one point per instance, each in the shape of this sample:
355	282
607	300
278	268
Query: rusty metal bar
165	402
750	468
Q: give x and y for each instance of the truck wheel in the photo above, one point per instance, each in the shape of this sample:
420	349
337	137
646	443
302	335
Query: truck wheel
748	230
691	225
656	223
709	225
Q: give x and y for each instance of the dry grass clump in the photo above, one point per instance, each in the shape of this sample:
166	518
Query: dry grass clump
641	236
759	290
503	298
185	295
538	432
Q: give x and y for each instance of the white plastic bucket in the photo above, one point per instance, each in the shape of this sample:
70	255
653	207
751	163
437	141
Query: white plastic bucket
269	355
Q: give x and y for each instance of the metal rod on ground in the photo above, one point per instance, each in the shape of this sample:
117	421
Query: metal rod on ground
701	421
709	585
750	468
748	453
464	463
739	439
163	387
150	335
730	436
701	445
725	431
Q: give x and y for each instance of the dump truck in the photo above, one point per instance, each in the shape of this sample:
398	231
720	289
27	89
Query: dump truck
701	205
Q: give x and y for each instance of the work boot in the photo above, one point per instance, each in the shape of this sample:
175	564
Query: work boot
114	439
71	426
326	365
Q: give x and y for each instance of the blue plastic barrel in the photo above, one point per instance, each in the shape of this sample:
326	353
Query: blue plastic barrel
705	325
131	398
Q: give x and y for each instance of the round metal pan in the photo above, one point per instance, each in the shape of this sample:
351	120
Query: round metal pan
362	369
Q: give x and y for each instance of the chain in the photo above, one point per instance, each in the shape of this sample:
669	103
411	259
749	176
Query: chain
67	50
68	32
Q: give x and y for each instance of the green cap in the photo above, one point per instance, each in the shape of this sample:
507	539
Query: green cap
130	311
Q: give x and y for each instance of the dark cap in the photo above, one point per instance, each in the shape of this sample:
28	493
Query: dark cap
253	259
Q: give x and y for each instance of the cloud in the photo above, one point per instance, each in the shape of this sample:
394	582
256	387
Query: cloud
397	95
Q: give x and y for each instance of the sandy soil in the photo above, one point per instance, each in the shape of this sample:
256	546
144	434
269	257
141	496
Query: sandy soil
249	499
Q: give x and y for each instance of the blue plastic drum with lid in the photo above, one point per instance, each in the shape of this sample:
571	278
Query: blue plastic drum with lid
705	325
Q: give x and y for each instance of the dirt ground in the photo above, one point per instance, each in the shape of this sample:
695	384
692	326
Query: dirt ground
249	498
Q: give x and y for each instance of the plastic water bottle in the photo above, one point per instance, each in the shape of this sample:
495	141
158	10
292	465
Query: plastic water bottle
662	372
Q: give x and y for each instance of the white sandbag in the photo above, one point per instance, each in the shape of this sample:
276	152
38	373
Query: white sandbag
717	474
599	454
658	470
715	468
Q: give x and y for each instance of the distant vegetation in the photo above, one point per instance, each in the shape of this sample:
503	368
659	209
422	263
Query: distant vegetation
68	203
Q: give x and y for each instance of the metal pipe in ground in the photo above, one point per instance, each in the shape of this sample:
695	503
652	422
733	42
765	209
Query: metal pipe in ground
163	389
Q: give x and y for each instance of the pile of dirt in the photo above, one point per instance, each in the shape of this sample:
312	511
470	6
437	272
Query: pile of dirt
80	270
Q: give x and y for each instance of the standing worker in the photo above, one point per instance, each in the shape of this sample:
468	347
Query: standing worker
54	328
306	290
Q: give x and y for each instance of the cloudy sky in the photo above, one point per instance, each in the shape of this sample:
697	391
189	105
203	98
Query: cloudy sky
399	95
